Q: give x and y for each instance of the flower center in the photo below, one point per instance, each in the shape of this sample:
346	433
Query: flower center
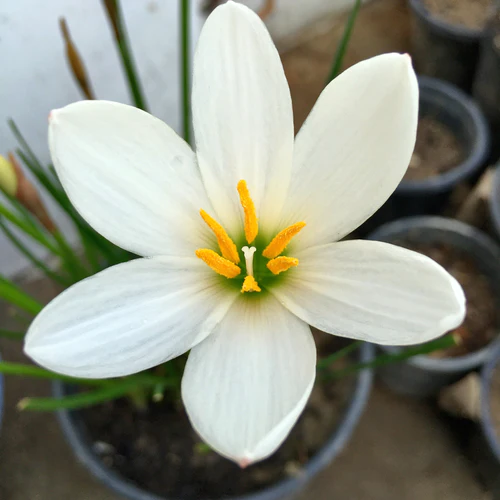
227	263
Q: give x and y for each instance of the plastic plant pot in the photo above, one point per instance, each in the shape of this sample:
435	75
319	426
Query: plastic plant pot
73	427
443	50
486	87
453	108
490	458
424	376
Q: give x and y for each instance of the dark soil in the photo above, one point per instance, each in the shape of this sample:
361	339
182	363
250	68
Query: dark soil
437	150
481	322
159	451
472	14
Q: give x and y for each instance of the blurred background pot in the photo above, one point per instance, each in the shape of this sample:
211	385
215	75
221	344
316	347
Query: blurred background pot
1	396
444	106
443	46
494	202
74	429
490	422
425	375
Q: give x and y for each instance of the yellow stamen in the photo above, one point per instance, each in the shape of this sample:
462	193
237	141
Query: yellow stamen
250	285
281	240
280	264
226	245
251	224
217	263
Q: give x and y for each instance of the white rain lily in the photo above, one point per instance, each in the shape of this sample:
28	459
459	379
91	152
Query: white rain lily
223	284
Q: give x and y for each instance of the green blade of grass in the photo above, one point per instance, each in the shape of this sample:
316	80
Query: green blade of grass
344	42
115	15
15	296
31	257
326	362
385	359
9	334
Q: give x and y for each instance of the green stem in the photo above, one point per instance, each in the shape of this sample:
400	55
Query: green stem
14	295
115	16
385	359
185	67
342	46
30	256
9	334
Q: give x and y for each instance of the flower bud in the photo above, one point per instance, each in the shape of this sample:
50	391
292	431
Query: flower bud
8	177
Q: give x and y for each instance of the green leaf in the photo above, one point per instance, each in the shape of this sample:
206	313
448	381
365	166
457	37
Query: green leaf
78	400
14	295
407	353
344	42
9	334
326	362
31	257
115	15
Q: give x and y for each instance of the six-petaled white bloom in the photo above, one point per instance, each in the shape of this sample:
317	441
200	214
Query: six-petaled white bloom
240	284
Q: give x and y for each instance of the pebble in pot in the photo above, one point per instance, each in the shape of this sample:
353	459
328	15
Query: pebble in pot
452	146
446	36
474	260
77	434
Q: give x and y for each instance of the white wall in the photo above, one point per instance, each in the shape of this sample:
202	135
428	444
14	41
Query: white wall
34	77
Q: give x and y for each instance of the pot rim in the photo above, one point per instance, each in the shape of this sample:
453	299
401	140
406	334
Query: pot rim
461	363
475	158
319	461
455	31
494	201
486	417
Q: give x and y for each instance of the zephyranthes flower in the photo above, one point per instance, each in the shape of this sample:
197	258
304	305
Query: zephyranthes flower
237	237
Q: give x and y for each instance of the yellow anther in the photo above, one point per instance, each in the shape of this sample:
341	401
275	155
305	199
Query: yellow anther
251	223
226	245
217	263
281	240
250	285
280	264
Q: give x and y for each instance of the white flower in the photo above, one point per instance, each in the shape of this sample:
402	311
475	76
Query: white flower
252	361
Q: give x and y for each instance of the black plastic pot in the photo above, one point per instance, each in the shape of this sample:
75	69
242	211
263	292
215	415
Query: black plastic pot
75	432
424	376
452	107
443	50
490	457
486	87
494	201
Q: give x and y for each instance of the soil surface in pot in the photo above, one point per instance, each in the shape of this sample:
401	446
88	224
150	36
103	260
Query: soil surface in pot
437	150
472	14
481	322
159	451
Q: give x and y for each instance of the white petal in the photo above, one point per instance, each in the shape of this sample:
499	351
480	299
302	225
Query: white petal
129	318
130	176
245	386
353	149
373	291
242	115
